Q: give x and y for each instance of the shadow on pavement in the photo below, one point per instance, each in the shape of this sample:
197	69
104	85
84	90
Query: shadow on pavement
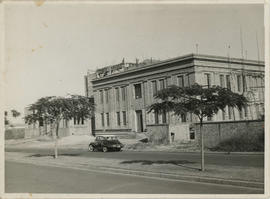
173	162
46	155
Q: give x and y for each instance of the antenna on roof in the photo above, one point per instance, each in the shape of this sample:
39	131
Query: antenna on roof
197	48
241	39
258	51
228	52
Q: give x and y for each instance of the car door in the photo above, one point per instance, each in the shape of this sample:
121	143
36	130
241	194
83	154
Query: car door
99	142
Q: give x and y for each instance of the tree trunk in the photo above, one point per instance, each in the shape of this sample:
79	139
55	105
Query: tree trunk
56	140
202	145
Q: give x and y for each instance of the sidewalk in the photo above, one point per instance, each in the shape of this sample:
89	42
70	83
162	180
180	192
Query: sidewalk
177	170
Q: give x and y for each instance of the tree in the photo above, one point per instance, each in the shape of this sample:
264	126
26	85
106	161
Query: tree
6	120
197	100
15	113
54	109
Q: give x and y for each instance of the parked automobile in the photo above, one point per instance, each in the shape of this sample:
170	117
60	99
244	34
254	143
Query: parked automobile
105	143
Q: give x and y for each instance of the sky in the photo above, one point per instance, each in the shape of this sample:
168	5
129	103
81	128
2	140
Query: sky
50	47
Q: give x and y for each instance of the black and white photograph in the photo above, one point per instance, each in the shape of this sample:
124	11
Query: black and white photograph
134	98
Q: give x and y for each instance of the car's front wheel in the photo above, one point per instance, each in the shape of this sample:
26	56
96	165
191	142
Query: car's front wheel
90	148
104	149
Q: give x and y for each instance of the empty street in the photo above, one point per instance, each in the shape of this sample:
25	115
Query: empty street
27	178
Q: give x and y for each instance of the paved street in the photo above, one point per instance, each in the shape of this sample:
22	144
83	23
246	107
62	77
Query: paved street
27	178
219	159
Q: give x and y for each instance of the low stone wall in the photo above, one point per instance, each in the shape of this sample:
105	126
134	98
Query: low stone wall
80	130
179	132
14	133
158	133
215	132
31	133
63	132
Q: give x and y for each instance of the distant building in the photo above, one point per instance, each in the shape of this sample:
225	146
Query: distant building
123	92
76	126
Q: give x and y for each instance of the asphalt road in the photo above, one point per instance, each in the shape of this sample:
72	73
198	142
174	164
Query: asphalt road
27	178
250	160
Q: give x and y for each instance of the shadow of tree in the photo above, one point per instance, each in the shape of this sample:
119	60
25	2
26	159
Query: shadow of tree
47	155
173	162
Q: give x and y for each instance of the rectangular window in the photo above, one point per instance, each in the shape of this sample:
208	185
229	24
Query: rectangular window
188	80
209	118
101	96
223	115
241	113
82	120
161	84
138	91
107	95
108	119
208	79
184	117
239	83
246	111
40	122
102	119
117	94
228	82
154	86
123	93
78	120
124	118
180	80
244	84
156	117
222	82
230	112
118	118
164	117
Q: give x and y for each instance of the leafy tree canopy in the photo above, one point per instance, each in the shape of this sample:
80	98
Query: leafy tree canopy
196	99
15	113
53	109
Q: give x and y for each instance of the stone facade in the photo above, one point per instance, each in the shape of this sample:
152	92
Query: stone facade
215	132
123	92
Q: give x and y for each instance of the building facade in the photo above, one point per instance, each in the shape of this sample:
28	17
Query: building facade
123	92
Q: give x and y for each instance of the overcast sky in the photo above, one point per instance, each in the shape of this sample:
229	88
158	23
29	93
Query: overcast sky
49	48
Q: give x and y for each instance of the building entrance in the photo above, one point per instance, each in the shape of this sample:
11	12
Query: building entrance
139	121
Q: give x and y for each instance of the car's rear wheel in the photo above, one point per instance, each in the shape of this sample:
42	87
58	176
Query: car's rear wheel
91	148
104	149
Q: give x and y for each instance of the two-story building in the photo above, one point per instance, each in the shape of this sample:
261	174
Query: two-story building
123	92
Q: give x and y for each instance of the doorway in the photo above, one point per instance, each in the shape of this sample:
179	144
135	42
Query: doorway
139	121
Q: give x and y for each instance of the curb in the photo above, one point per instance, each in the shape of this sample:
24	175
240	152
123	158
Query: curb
114	170
187	178
206	152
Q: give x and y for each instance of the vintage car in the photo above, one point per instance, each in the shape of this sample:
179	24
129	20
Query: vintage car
105	143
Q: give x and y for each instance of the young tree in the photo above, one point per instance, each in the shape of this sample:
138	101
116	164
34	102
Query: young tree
54	109
197	100
15	113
